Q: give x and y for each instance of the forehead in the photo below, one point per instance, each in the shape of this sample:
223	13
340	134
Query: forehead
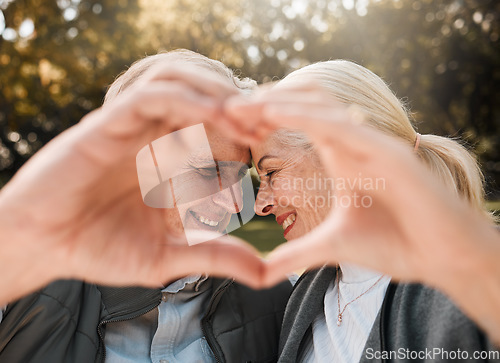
226	149
270	147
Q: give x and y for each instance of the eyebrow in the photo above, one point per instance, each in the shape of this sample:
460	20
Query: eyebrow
259	164
208	161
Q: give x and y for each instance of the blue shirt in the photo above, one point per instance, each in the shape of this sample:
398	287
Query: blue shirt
170	333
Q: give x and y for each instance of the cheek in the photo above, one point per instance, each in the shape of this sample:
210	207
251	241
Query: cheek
284	193
312	206
173	221
225	222
290	191
189	188
315	209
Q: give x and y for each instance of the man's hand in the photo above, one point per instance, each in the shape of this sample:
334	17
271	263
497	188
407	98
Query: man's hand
75	209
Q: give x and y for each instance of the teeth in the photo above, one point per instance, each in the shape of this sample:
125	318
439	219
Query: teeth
288	221
207	221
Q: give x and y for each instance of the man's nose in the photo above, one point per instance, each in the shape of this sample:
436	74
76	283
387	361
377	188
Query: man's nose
230	198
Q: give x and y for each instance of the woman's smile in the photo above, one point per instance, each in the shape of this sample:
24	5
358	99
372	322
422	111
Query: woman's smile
287	221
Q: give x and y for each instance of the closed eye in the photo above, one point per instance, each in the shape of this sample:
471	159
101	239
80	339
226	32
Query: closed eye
268	175
207	172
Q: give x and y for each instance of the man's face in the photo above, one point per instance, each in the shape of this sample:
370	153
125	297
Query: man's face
209	191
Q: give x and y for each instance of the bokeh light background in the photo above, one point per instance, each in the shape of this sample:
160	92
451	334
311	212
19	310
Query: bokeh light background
441	57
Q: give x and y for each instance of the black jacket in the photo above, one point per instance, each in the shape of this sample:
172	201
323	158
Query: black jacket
66	321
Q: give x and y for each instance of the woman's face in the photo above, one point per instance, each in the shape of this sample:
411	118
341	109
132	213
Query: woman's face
293	187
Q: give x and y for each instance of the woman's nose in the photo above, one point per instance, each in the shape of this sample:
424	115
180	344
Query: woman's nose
264	201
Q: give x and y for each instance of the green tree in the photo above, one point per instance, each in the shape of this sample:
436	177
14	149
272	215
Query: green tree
54	74
441	56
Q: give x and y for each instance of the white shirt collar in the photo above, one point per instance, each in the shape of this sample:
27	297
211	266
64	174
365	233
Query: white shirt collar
352	274
180	284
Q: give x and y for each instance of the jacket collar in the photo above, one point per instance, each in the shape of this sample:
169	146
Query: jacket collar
120	303
127	302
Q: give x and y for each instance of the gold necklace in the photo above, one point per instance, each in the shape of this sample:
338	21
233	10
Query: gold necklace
339	316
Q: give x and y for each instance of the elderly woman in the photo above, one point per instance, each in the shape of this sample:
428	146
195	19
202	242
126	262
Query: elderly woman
349	313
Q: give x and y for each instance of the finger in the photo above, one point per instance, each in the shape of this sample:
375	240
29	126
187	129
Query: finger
138	118
313	119
247	112
223	258
293	256
157	263
227	127
246	116
264	131
201	80
318	247
339	126
267	90
310	94
118	129
161	101
321	124
245	121
345	134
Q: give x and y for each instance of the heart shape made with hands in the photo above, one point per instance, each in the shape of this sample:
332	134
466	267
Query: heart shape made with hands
79	200
102	231
251	120
376	236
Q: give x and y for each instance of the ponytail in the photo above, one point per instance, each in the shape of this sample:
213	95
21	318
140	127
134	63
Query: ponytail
456	167
352	84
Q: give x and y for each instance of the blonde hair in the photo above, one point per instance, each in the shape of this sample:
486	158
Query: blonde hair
352	84
183	56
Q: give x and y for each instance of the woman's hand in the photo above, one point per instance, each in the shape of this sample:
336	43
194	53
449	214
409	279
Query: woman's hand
75	209
399	220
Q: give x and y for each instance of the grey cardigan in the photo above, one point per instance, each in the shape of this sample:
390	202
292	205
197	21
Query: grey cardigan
412	322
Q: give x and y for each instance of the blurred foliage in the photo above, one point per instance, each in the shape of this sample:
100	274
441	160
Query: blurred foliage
262	232
443	57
